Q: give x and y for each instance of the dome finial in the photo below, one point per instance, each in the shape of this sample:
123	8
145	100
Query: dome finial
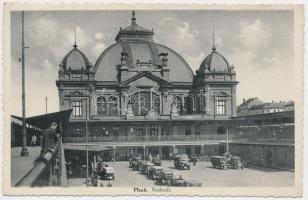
75	35
213	48
133	17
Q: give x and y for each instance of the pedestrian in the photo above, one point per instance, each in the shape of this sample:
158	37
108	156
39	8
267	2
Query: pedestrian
50	137
33	140
150	157
194	160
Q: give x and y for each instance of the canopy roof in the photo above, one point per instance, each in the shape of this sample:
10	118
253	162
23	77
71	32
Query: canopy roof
44	121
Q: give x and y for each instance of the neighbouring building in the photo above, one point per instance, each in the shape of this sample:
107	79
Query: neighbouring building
254	106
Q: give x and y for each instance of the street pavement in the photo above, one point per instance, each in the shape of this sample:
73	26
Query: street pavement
203	172
20	165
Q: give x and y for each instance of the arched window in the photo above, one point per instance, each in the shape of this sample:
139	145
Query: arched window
178	103
112	105
191	103
142	103
221	130
202	100
101	106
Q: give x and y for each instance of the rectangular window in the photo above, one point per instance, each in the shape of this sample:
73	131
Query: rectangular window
165	130
197	130
77	108
221	107
188	150
197	150
187	130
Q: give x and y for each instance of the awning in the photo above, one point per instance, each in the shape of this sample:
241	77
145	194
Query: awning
82	147
44	121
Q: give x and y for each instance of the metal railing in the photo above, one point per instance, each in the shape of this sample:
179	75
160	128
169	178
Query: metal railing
47	170
170	138
96	138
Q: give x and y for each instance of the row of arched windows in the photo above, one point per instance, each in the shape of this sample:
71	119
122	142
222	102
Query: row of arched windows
107	107
142	103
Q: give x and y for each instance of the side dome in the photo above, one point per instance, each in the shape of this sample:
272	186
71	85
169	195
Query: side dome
75	60
215	62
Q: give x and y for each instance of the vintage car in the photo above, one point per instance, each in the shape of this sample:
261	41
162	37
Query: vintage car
137	165
178	181
133	160
219	162
165	177
236	163
154	172
156	161
181	162
144	168
107	173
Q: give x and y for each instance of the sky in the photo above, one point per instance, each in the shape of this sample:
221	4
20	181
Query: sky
260	44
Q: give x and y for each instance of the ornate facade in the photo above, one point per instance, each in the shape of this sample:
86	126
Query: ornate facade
138	87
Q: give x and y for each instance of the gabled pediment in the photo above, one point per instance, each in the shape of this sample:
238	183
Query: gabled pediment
145	79
76	93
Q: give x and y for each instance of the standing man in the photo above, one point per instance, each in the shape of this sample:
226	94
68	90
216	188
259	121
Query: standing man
33	140
50	137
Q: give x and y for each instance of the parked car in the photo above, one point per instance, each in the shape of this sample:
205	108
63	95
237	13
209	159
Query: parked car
181	162
154	172
144	168
107	173
156	161
137	165
178	182
133	160
219	162
165	177
236	163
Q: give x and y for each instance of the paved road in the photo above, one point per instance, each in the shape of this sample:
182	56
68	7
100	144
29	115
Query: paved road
203	172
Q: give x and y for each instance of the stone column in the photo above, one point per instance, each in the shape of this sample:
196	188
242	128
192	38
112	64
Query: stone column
114	153
144	152
173	149
160	151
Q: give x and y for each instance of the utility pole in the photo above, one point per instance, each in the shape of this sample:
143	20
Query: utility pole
24	150
46	102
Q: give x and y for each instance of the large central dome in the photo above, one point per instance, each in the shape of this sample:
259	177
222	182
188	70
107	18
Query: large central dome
137	43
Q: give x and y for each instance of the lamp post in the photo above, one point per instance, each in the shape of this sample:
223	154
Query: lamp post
227	139
87	131
46	101
24	150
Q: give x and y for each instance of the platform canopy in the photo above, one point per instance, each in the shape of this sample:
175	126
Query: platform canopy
44	121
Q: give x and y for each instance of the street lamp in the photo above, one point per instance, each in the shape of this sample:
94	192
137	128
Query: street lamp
87	130
46	101
24	150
